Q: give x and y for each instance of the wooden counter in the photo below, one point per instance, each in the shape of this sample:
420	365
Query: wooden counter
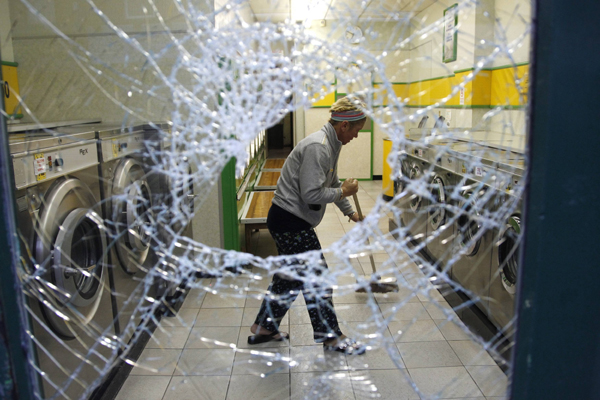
255	214
267	180
273	164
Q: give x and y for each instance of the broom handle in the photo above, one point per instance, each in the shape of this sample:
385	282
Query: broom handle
360	217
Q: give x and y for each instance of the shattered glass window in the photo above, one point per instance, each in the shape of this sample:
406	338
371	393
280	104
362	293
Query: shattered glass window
141	130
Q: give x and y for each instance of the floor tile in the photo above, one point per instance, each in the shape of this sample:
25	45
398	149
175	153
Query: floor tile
194	298
144	388
197	388
157	362
403	295
446	382
220	317
212	337
302	335
223	301
375	359
206	362
440	310
185	317
298	315
251	387
314	358
312	385
417	331
406	311
490	379
471	353
265	361
431	295
169	338
349	296
369	333
356	312
383	384
453	330
428	354
254	300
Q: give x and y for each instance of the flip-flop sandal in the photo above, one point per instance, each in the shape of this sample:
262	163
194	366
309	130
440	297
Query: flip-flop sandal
346	346
257	339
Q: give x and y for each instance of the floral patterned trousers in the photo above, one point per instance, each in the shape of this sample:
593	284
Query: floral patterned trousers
283	290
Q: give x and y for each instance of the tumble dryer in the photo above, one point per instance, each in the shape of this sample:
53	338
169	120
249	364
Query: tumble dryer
400	179
474	241
440	222
414	219
64	259
171	181
128	212
504	267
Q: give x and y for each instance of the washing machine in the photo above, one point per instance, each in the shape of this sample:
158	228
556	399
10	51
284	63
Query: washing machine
400	179
504	267
64	258
440	223
171	181
129	216
480	195
414	218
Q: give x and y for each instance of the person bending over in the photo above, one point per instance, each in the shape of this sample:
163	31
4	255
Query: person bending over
308	182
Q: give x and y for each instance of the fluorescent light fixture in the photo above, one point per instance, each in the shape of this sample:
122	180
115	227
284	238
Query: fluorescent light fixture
306	11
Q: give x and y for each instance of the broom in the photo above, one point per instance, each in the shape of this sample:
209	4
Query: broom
376	284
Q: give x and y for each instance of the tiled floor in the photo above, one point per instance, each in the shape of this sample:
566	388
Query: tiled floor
417	352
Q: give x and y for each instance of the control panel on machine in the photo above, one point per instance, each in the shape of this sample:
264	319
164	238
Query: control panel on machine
122	145
34	167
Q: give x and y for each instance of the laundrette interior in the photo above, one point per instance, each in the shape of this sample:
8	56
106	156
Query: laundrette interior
129	225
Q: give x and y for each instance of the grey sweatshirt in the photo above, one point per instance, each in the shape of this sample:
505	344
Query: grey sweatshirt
309	177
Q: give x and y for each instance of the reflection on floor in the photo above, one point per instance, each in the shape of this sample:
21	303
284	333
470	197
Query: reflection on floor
190	356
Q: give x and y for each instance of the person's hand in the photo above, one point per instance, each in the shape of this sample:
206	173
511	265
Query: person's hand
354	217
350	187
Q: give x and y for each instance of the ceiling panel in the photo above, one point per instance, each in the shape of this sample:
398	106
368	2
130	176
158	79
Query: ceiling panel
279	10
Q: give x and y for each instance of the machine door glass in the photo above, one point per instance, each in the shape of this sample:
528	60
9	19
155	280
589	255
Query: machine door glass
416	200
469	223
400	182
132	217
70	252
437	213
508	253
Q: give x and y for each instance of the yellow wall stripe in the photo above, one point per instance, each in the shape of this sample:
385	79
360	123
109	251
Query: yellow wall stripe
489	88
9	75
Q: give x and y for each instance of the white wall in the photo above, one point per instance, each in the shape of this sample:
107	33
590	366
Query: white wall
6	47
55	87
513	16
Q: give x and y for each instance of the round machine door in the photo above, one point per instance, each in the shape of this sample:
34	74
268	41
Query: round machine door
70	250
508	253
469	222
131	215
437	212
416	200
401	182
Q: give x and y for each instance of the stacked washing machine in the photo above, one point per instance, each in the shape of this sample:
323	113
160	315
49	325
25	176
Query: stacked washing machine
144	210
64	257
505	253
478	197
440	222
488	229
414	217
470	226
